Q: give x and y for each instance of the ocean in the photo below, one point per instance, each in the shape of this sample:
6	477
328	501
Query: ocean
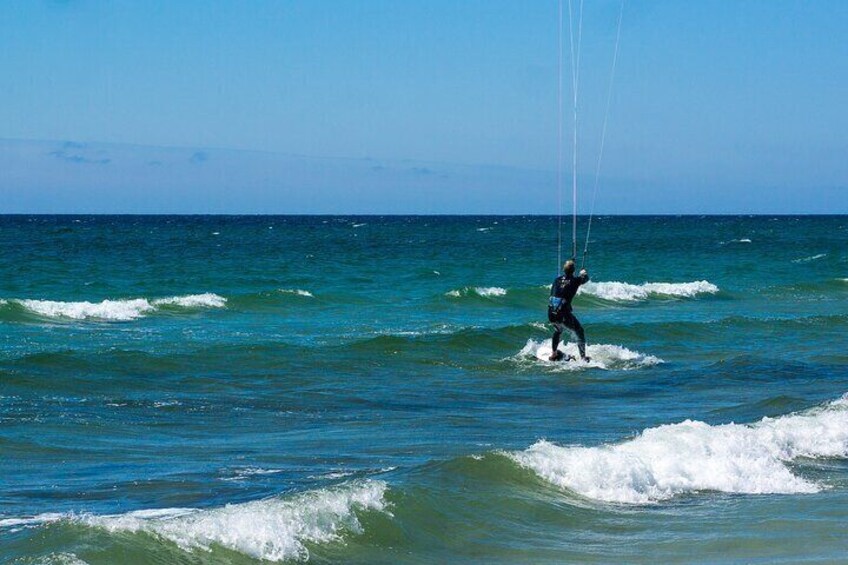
212	389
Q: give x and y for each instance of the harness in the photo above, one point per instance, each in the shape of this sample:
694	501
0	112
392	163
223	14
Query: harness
556	303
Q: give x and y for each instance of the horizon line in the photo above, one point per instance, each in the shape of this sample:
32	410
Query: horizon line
413	215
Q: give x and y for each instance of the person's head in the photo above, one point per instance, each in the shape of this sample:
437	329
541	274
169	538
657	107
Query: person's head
568	267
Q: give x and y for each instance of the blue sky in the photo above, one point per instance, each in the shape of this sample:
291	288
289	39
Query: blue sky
732	106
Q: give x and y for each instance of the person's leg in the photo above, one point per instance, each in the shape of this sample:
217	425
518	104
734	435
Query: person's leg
581	337
555	341
573	324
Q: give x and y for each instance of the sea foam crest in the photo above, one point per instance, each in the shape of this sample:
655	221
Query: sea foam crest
106	310
297	292
692	456
603	356
118	310
58	559
810	258
273	529
626	292
206	300
484	291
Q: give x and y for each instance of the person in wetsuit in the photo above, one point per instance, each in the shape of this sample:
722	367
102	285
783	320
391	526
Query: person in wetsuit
559	309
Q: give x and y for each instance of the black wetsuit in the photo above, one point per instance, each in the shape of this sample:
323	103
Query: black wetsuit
559	310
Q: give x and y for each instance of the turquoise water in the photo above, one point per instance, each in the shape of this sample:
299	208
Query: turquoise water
368	389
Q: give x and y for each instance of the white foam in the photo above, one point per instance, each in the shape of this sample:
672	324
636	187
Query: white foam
118	310
273	529
58	559
743	240
602	356
297	292
166	403
625	292
810	258
692	456
243	473
106	310
37	520
206	300
484	291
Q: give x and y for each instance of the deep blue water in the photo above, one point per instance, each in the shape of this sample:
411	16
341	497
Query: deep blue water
367	389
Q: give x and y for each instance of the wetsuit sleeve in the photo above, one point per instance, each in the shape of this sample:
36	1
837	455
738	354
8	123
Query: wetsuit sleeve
583	279
553	288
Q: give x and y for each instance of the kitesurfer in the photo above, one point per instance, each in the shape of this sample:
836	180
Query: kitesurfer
560	315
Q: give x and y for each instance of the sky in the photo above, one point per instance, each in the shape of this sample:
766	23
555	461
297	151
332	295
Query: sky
430	106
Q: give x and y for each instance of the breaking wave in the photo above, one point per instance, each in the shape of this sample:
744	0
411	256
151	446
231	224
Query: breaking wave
602	356
272	529
207	300
810	258
625	292
116	310
297	292
692	456
483	291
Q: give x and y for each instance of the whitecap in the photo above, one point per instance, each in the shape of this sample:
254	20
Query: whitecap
118	310
206	300
297	291
693	456
743	240
810	258
273	529
484	291
166	403
333	475
243	473
107	310
45	518
602	356
626	292
58	559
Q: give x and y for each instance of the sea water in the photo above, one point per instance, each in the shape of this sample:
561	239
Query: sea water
375	389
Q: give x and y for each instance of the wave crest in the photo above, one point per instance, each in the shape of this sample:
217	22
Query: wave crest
206	300
483	291
117	310
297	292
626	292
810	258
273	529
603	356
692	456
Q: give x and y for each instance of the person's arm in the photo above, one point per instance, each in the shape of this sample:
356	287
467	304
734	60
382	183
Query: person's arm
584	276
